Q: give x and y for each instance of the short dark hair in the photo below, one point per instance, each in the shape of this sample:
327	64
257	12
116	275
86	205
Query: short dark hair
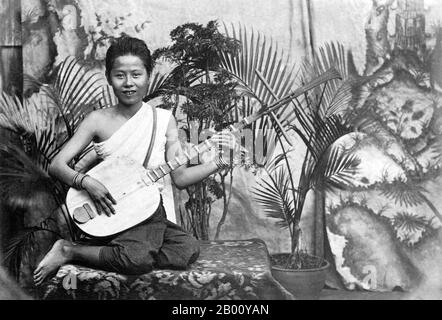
126	45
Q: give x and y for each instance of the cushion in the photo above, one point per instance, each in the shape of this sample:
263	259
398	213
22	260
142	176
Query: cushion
233	270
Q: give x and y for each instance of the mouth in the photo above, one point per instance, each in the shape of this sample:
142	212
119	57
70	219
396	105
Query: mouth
129	93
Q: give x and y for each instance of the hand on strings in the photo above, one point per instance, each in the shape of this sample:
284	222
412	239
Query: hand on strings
100	194
228	146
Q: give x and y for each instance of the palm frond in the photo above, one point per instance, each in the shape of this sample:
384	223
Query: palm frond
62	105
157	81
275	197
328	132
264	75
107	98
276	162
21	118
411	222
319	134
33	121
19	174
260	136
404	193
76	86
336	94
44	138
329	55
260	67
21	245
76	91
336	169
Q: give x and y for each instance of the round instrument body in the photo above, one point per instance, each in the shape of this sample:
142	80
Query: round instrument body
136	195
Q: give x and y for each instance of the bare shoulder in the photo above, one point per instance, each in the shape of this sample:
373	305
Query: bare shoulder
98	116
92	121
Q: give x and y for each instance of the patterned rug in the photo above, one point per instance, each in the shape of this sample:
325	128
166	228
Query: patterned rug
230	270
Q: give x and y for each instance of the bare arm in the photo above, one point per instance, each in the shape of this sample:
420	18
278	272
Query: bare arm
60	165
184	176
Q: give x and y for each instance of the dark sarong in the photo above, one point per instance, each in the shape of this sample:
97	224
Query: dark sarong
156	243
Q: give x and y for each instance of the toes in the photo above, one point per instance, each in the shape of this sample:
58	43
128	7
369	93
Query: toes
39	277
37	281
37	270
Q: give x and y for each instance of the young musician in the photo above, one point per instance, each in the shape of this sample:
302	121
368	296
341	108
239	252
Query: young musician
121	130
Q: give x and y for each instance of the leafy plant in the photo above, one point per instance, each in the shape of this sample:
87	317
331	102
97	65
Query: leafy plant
205	94
41	125
317	117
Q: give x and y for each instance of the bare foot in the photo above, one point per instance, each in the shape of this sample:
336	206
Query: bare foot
54	259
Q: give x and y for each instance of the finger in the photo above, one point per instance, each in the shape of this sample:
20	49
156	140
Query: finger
111	198
220	135
241	153
98	206
109	205
226	142
230	137
105	208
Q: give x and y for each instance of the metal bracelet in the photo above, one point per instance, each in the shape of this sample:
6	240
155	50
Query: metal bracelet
80	184
77	180
74	180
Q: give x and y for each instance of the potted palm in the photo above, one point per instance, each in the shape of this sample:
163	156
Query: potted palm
319	118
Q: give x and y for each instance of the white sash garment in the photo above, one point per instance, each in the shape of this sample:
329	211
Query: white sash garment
132	139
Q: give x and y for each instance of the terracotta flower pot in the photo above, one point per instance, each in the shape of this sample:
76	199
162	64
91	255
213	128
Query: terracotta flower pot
304	284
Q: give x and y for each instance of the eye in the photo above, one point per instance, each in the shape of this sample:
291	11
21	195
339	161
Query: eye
119	76
137	75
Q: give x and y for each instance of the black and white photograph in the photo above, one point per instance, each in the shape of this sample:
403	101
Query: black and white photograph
240	151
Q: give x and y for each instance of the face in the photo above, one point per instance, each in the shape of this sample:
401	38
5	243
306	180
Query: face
129	79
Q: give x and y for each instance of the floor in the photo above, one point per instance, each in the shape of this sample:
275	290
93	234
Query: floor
328	294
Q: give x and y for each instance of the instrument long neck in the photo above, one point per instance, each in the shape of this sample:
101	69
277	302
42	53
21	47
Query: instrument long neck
163	170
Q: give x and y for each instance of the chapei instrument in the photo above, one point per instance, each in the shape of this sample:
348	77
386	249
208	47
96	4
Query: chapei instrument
133	186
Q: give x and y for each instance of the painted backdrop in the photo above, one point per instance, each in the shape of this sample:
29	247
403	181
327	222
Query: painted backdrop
385	233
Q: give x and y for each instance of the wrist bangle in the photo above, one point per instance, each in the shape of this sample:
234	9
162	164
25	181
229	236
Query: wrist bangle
81	181
76	181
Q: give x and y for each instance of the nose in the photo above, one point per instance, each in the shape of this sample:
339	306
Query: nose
128	81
